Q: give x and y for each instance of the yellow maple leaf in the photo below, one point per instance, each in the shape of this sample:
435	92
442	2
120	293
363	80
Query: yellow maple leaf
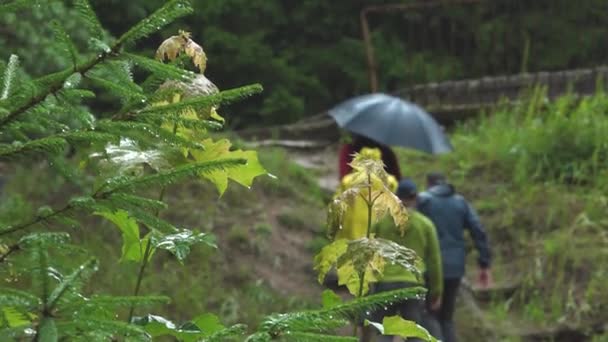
195	51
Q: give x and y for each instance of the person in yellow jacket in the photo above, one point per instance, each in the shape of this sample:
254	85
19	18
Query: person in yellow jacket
421	237
354	225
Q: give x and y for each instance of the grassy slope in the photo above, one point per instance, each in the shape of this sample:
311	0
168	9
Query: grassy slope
536	174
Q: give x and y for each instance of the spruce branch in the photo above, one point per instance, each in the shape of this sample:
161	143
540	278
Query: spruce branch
15	5
54	87
163	16
38	219
169	12
90	18
9	75
206	101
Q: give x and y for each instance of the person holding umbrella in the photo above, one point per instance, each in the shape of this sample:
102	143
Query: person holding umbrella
347	151
390	121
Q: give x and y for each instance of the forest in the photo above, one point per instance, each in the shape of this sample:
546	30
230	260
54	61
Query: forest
135	205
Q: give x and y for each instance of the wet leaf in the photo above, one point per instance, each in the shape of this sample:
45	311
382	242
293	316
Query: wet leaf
173	46
179	244
221	149
208	323
330	299
328	257
132	246
362	261
131	159
395	325
195	51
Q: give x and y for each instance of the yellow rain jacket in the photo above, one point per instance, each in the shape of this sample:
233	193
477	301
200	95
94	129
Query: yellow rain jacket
354	225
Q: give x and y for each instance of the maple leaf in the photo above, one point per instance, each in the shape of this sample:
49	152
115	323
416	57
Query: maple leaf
173	46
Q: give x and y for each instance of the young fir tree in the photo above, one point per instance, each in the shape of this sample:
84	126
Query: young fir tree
158	136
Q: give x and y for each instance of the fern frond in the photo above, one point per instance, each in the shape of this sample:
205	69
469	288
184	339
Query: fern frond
113	302
304	321
206	101
297	336
358	306
222	335
119	184
70	282
45	145
99	46
15	5
17	298
13	317
77	93
94	28
121	91
128	200
116	328
116	301
53	144
325	320
163	16
194	124
143	131
9	76
64	39
161	70
80	137
44	239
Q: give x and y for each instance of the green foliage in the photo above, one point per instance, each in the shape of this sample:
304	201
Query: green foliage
397	326
550	143
130	157
313	50
125	160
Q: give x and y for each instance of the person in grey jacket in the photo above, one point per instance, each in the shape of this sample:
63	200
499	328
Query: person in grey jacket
452	214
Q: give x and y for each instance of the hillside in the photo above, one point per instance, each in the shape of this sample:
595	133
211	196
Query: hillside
538	185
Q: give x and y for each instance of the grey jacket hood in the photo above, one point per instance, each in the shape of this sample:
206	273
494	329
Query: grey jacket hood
442	190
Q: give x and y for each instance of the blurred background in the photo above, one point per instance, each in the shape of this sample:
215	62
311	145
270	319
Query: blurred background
536	169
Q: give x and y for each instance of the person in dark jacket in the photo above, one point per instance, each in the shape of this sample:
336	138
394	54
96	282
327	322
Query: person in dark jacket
452	214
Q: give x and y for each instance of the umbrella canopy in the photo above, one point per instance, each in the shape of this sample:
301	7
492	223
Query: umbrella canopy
391	121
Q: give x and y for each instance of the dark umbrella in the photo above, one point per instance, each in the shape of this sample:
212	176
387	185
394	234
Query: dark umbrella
391	121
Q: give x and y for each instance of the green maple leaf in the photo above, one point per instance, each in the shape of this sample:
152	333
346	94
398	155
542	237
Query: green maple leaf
132	246
218	150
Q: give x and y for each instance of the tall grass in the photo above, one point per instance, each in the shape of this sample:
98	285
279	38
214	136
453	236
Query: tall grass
537	173
562	141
